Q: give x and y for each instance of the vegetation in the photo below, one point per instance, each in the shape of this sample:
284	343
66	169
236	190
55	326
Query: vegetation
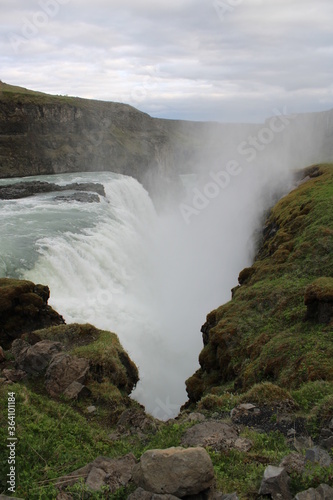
263	347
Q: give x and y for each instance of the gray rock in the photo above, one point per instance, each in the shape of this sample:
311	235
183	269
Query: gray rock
275	483
96	479
217	435
34	359
14	375
323	492
194	417
176	471
243	444
5	497
80	197
76	391
295	462
26	189
318	455
62	371
114	473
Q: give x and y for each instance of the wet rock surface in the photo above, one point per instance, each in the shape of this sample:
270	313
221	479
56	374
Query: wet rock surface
30	188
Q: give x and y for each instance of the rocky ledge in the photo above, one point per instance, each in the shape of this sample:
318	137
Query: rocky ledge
26	189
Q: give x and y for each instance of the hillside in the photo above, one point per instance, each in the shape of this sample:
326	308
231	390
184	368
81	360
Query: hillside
263	395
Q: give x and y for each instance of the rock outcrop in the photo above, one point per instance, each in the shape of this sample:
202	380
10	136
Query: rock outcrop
26	189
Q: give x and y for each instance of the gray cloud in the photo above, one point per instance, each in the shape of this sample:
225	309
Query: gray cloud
179	59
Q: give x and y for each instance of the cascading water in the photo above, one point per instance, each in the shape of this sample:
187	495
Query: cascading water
120	266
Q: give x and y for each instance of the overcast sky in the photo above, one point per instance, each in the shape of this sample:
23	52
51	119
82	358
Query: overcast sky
225	60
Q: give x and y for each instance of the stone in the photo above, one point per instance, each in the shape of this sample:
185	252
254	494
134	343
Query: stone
194	417
80	197
319	300
141	494
2	355
275	483
24	309
34	359
323	492
76	391
295	462
217	435
63	370
136	419
176	471
301	443
231	496
243	444
318	455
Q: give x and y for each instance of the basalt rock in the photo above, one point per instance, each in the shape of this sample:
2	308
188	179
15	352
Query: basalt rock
175	471
30	188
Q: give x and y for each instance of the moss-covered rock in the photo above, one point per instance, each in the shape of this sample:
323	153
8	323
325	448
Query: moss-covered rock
262	335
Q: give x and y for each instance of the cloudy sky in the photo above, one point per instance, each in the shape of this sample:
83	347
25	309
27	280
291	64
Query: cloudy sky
225	60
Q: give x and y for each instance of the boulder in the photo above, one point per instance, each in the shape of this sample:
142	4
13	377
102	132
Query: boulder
141	494
23	309
34	359
63	370
217	435
175	471
275	483
14	375
318	455
323	492
102	472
